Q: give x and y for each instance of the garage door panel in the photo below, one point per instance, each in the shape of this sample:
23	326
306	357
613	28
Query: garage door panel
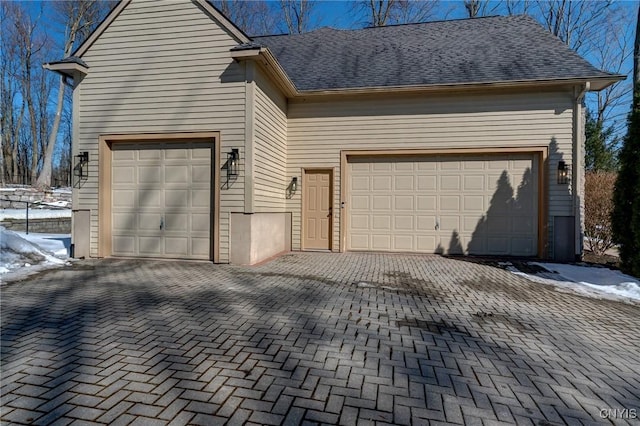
381	183
176	198
360	221
426	243
381	222
200	248
403	183
471	223
426	223
483	204
360	202
360	183
176	153
149	174
403	202
449	183
449	223
473	182
404	223
473	203
426	203
522	246
359	242
381	202
124	244
156	184
123	174
148	199
427	183
403	166
127	198
381	167
149	221
176	174
201	174
450	203
200	223
150	246
149	153
497	245
450	165
176	222
200	198
403	243
381	242
124	221
176	246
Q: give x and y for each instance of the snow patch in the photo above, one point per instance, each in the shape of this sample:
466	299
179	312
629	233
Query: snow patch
34	213
22	254
588	280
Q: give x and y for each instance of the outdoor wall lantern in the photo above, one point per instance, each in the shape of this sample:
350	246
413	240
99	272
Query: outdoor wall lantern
292	188
233	159
563	173
82	165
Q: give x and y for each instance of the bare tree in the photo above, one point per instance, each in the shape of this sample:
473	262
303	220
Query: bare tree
610	49
573	22
378	13
517	7
29	42
298	15
79	18
253	17
477	8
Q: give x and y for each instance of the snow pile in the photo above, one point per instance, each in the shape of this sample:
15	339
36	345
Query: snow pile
21	254
33	213
589	280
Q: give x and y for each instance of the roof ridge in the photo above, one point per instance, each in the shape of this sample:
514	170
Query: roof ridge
328	27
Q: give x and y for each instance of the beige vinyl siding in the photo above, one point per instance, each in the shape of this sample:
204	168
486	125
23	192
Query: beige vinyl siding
270	146
162	67
319	129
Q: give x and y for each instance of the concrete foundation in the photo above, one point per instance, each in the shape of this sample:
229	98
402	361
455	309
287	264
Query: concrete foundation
258	236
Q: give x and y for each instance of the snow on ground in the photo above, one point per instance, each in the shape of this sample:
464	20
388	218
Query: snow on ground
22	254
34	213
589	280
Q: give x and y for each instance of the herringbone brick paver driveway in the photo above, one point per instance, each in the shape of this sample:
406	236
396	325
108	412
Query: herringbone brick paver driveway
313	338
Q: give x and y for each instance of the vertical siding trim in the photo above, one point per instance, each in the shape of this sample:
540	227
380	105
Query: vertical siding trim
249	136
75	136
578	166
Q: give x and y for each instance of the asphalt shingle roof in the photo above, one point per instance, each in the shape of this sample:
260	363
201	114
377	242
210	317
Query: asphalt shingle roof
493	49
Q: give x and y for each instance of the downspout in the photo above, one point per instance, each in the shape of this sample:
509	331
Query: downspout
578	168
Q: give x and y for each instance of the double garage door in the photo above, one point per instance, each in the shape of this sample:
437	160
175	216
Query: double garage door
161	200
450	204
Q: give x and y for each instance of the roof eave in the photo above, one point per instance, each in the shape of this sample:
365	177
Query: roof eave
71	70
597	83
264	56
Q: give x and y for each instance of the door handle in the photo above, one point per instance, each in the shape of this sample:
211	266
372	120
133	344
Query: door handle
330	211
161	222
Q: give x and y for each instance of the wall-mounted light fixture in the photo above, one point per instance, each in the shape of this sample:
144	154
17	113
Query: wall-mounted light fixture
563	173
80	169
292	188
233	160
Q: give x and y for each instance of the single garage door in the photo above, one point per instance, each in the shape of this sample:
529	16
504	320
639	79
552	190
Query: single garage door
452	204
161	200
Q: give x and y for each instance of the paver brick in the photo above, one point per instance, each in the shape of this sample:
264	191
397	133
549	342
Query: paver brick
301	340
